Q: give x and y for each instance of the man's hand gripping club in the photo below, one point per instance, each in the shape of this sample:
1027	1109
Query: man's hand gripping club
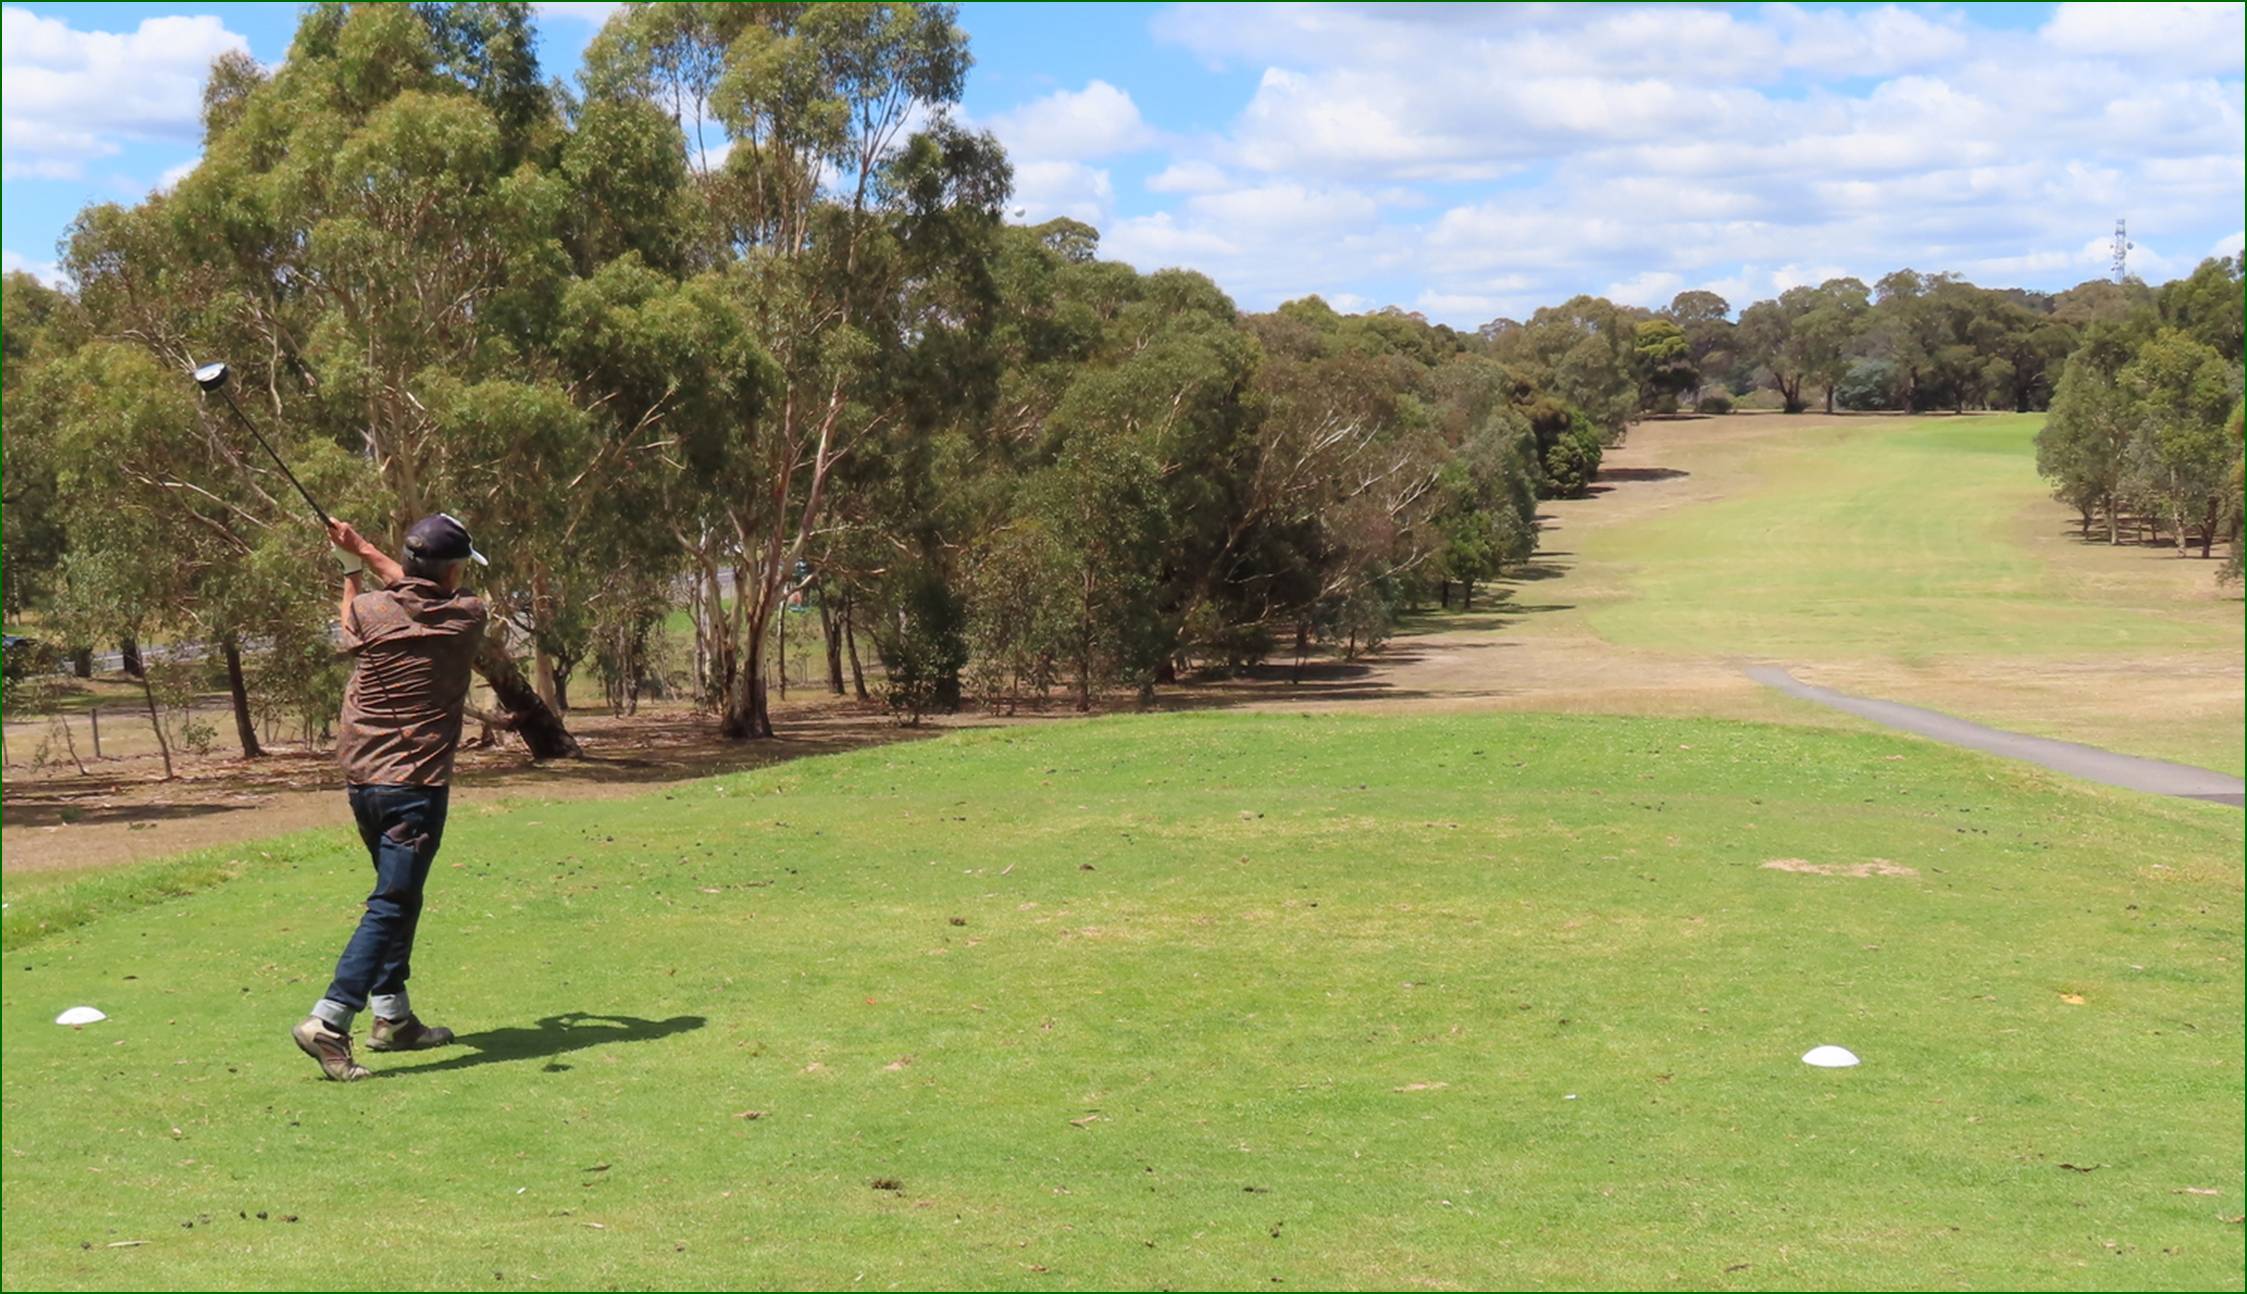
355	554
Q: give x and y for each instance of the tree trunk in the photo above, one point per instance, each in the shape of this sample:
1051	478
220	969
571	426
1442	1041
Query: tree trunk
2208	532
245	728
128	653
542	674
157	726
827	627
781	632
2114	522
1466	599
1084	642
696	617
1445	594
82	662
1302	650
748	716
534	721
850	645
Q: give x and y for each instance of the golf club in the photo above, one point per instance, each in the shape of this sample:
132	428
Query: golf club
212	377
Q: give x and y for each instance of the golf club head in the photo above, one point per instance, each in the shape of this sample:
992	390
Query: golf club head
211	376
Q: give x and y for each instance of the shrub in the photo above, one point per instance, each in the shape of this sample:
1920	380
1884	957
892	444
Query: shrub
1868	385
197	735
1718	403
1573	460
923	646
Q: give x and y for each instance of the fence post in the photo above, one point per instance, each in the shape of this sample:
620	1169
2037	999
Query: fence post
93	714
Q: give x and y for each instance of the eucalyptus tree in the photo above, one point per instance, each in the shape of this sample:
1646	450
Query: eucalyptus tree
851	226
1582	353
168	538
373	229
2183	393
2083	448
1709	333
37	323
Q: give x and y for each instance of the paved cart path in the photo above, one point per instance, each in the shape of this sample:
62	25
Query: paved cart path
2088	762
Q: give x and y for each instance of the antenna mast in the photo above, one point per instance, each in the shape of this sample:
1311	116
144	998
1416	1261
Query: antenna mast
2122	245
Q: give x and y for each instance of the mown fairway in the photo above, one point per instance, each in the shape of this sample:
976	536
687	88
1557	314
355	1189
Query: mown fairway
1921	560
1264	1002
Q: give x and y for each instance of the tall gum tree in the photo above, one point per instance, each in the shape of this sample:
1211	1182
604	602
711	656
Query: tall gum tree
387	221
851	227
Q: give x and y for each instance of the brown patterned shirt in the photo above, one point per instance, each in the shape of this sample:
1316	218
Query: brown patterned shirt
414	643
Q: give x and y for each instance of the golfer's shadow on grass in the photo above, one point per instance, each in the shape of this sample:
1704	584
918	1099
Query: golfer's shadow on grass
553	1036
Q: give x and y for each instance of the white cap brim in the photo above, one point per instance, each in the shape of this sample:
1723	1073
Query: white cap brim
478	558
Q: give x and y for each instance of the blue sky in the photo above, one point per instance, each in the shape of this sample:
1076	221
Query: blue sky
1465	161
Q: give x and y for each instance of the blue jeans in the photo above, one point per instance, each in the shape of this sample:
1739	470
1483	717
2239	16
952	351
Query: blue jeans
401	826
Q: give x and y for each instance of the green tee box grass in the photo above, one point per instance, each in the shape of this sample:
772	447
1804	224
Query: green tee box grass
1883	538
1200	1000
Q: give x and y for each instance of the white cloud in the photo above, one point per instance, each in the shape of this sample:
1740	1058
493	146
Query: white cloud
1651	288
1045	190
2230	244
1073	125
1187	177
1156	242
173	175
1482	160
69	96
1859	42
46	272
1804	276
1273	209
2181	37
1509	296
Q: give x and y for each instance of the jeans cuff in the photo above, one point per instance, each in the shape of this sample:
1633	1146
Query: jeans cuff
390	1006
335	1013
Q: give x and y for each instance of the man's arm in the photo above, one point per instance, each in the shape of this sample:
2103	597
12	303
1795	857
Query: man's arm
350	595
383	566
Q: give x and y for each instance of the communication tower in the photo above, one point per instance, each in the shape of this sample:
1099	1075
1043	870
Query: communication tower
2122	246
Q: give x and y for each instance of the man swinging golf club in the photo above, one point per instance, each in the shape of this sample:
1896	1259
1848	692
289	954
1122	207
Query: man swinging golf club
412	642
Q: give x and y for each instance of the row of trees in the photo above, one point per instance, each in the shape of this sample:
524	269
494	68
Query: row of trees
809	361
2145	426
813	361
1911	341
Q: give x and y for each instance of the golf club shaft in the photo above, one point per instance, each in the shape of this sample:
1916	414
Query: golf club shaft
244	419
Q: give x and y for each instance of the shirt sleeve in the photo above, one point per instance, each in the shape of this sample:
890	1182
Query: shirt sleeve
479	620
351	636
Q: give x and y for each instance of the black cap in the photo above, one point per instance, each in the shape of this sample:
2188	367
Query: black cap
441	538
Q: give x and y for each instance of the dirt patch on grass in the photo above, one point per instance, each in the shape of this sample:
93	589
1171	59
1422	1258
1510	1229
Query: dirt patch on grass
1876	867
